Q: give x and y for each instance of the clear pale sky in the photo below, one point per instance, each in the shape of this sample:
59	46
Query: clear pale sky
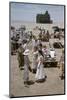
28	12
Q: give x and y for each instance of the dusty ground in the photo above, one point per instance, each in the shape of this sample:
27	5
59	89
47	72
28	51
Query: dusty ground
52	85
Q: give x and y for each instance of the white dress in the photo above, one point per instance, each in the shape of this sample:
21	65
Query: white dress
40	69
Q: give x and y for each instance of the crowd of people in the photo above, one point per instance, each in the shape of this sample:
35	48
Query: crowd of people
40	54
37	62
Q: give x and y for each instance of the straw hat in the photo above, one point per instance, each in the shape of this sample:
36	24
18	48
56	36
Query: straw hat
26	52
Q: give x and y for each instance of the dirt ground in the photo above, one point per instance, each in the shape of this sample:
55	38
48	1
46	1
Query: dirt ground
52	85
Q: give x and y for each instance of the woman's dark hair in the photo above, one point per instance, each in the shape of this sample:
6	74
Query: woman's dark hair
40	52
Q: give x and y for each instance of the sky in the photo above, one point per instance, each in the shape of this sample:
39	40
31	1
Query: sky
27	12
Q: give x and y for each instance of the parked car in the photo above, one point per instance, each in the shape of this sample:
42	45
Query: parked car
58	45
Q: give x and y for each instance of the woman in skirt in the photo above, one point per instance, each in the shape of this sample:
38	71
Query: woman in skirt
40	74
34	63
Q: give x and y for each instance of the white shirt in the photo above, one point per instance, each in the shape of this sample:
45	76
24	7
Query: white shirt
52	53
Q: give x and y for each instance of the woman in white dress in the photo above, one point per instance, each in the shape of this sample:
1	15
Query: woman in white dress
40	74
35	57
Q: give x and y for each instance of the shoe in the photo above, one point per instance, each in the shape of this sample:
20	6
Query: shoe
21	68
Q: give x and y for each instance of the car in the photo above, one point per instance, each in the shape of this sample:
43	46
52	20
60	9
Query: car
57	45
57	29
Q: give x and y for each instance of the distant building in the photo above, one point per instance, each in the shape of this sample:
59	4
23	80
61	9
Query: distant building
43	18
